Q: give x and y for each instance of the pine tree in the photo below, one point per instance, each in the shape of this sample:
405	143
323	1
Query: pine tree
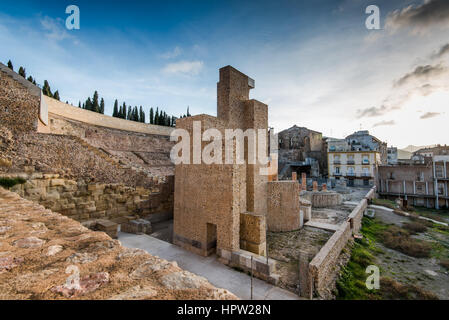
10	66
47	90
56	95
102	106
188	113
115	111
151	115
79	104
22	72
141	115
30	79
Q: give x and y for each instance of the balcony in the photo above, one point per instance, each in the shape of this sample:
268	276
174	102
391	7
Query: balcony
350	162
337	174
365	161
366	174
337	162
350	174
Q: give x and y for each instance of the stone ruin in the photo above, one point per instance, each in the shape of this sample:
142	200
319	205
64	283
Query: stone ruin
227	208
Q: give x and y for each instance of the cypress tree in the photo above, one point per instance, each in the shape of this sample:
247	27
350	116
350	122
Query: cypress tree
95	104
10	66
124	111
188	113
47	90
102	106
56	95
89	104
141	115
79	104
151	115
115	111
22	72
30	79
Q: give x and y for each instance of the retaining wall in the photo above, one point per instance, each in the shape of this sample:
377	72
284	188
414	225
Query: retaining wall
321	269
81	201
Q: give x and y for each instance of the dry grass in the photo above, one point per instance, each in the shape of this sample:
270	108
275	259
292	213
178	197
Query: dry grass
399	239
415	227
393	290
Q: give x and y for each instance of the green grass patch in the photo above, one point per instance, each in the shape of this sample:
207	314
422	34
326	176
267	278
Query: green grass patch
11	182
385	202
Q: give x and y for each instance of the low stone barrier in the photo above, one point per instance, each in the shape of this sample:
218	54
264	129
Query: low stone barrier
321	269
260	268
253	233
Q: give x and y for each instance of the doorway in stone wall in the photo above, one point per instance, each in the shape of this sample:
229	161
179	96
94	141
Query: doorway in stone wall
211	238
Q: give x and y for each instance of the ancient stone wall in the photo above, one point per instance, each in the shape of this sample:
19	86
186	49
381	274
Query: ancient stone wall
147	152
253	233
322	199
19	102
40	249
67	111
283	212
86	201
321	268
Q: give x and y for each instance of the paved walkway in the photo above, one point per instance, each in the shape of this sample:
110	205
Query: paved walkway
321	225
217	273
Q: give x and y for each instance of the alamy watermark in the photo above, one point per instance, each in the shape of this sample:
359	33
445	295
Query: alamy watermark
224	149
372	22
373	280
72	22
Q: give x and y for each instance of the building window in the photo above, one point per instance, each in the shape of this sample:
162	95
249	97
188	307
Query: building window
391	175
337	170
351	171
440	188
439	171
365	159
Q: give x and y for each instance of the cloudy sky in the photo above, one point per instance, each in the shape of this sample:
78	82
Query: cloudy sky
315	63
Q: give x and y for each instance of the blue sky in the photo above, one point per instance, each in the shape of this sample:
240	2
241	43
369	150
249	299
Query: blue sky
314	62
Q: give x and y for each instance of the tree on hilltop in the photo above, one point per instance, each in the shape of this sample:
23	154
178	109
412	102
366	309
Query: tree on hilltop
56	95
10	66
22	72
46	89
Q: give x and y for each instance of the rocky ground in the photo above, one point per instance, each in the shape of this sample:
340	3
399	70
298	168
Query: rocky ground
285	247
44	255
426	273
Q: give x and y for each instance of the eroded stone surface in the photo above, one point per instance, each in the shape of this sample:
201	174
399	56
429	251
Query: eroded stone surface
40	268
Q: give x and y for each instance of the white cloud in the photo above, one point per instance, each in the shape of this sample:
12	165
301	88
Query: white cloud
54	29
184	67
172	54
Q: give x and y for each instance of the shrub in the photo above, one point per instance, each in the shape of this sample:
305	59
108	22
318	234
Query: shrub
11	182
399	239
393	290
415	227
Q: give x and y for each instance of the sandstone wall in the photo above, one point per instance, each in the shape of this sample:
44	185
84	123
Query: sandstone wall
321	268
19	102
253	233
40	249
59	108
86	201
283	212
320	199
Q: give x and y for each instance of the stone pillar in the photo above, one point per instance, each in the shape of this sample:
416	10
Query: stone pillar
324	187
294	176
304	181
315	186
305	279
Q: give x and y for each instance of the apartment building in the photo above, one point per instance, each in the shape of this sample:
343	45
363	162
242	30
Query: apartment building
418	183
356	158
